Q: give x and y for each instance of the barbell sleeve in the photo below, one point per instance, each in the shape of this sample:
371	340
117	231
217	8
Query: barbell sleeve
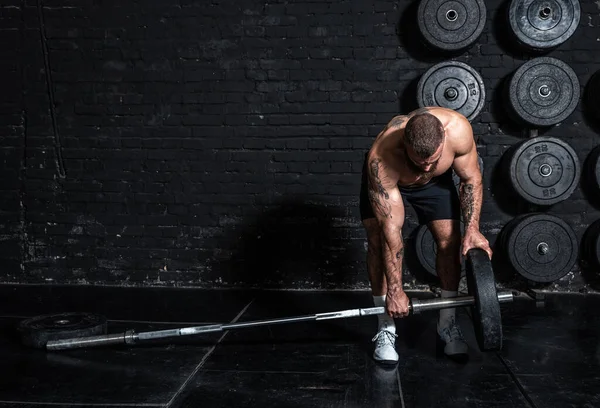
416	306
128	337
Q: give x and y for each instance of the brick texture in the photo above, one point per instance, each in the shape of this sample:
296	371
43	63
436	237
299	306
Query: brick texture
220	143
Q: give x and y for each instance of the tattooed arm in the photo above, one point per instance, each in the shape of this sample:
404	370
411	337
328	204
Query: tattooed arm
466	166
388	207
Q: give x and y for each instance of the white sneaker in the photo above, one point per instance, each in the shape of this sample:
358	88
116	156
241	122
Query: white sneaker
455	345
385	347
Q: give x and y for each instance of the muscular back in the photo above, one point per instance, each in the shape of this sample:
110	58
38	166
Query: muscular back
388	152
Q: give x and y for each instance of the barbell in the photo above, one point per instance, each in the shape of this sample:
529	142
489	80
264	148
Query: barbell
63	332
130	337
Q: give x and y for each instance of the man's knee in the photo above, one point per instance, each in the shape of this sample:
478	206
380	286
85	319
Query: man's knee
449	244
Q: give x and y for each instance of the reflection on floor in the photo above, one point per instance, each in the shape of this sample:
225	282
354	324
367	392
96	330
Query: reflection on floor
550	358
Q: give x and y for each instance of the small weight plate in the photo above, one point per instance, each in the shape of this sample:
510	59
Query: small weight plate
542	247
543	91
544	170
481	284
590	250
543	24
453	85
451	25
37	331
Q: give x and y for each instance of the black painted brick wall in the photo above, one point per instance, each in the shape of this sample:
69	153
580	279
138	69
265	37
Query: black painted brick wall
12	125
220	143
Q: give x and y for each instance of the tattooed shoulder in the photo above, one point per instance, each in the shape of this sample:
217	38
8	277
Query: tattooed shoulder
396	121
378	195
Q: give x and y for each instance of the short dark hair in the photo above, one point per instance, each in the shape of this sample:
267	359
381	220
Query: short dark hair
424	133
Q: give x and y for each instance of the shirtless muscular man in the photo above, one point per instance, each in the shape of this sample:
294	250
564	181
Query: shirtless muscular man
411	161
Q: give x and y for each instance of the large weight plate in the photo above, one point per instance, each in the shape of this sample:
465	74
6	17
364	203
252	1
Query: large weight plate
542	247
451	25
592	90
543	24
37	331
543	91
590	250
426	249
453	85
487	318
593	169
543	170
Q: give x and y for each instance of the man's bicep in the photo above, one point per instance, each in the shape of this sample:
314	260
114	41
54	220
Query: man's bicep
384	195
387	204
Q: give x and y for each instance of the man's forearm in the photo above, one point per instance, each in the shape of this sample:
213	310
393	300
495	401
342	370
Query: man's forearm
471	197
393	255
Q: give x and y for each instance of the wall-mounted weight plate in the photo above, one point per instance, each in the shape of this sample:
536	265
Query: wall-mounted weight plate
543	170
426	249
593	170
543	24
451	25
543	91
481	284
541	247
453	85
37	331
591	99
590	244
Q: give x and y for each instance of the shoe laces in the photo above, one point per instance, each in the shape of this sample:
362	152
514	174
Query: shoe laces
452	332
384	338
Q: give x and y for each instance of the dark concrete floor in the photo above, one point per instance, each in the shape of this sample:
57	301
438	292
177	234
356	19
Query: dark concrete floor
550	357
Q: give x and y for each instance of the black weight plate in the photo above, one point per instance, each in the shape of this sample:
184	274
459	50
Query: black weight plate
591	244
544	170
37	331
506	230
593	169
592	90
543	91
542	247
451	25
453	85
543	24
481	284
426	249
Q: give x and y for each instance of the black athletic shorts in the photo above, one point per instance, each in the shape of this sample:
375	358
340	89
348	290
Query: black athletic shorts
436	200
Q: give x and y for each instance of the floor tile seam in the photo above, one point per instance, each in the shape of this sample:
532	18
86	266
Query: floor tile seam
81	404
400	389
205	357
517	382
124	320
